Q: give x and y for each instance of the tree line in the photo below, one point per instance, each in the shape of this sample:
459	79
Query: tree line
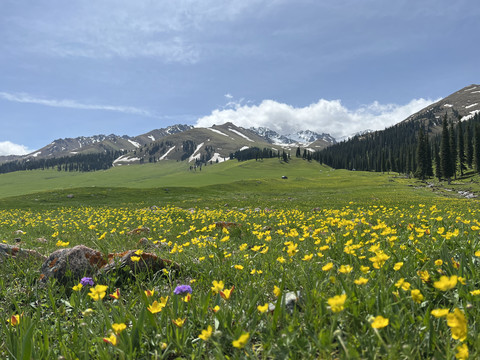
77	162
415	148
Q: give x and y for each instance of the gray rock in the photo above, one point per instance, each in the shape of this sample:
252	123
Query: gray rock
17	253
72	263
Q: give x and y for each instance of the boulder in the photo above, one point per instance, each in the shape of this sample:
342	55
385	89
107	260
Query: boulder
80	261
17	253
72	263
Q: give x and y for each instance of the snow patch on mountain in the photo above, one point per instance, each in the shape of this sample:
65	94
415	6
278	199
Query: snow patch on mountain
134	143
240	134
218	132
168	151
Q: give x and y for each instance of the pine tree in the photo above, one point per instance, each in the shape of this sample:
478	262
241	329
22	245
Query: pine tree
461	148
469	143
438	166
445	154
453	149
421	171
476	148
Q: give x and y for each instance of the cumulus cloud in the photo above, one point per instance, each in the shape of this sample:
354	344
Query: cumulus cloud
324	116
26	98
9	148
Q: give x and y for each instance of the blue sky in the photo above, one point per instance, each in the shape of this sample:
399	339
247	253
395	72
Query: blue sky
80	67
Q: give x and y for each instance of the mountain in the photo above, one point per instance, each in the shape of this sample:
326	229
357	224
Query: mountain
396	148
97	144
303	138
461	105
213	144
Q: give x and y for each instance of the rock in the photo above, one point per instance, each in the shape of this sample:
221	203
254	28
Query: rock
18	232
41	240
70	196
18	240
16	253
139	230
147	262
73	263
80	261
291	301
226	224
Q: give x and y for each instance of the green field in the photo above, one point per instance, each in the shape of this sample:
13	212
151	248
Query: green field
384	267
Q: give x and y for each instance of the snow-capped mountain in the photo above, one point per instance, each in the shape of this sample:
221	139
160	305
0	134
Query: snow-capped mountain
302	137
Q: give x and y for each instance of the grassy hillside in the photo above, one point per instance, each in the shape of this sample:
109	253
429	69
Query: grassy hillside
235	183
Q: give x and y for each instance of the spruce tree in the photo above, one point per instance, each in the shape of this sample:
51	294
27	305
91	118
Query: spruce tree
421	171
460	148
476	148
469	145
453	149
445	154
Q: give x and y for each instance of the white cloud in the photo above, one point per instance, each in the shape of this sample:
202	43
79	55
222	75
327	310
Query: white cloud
324	116
9	148
26	98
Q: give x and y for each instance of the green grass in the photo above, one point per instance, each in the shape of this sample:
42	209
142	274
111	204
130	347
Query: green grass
289	230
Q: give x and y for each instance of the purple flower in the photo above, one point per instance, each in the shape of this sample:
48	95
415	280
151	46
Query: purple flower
182	290
86	281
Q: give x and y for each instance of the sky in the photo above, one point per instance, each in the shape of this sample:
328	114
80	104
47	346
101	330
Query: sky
81	67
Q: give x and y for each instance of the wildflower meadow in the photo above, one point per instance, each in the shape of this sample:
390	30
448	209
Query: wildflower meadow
362	280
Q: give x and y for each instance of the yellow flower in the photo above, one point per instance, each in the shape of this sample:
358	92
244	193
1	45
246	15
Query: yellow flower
206	334
281	259
116	294
77	287
364	269
179	322
446	283
135	258
327	267
397	266
360	281
217	286
307	257
98	292
417	296
379	322
238	267
337	302
139	252
292	249
111	340
241	341
462	352
262	308
158	306
424	275
439	262
149	293
225	294
118	328
62	243
276	291
462	280
475	292
187	298
345	269
379	259
216	308
14	320
458	324
439	312
477	253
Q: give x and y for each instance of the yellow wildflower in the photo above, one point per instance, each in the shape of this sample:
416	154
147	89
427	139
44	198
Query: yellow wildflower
241	341
360	281
446	283
379	322
98	292
206	334
217	286
417	296
439	312
397	266
458	324
262	308
327	266
337	302
462	352
118	328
